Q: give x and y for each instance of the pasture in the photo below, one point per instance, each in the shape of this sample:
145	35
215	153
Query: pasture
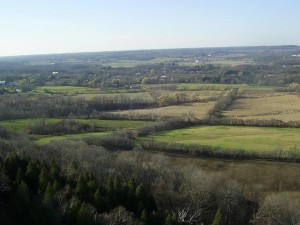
64	89
48	139
198	110
253	139
205	87
23	124
285	107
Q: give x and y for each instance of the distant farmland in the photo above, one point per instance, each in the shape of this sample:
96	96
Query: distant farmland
282	107
256	139
199	110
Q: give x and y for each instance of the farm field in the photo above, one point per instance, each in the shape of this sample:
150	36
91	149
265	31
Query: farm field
257	139
205	86
199	110
282	107
47	140
22	124
64	89
136	95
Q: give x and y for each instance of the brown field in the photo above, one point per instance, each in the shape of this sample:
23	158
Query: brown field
282	107
198	109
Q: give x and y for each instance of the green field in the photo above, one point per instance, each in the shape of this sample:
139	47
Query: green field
202	86
47	140
22	124
65	89
258	139
134	63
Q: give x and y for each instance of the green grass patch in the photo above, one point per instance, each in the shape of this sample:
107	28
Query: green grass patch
203	87
134	63
22	124
257	139
47	140
141	95
65	89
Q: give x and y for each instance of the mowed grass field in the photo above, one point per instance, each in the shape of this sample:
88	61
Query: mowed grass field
47	140
199	110
65	89
22	124
285	107
204	86
257	139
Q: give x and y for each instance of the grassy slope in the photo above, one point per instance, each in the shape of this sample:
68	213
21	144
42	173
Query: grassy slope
248	138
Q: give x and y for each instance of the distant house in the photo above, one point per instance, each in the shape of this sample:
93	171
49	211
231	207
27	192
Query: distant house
18	90
2	82
134	87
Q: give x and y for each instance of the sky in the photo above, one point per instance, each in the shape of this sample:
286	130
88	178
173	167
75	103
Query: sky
60	26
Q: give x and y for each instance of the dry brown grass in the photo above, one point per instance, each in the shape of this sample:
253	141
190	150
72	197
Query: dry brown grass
199	110
282	107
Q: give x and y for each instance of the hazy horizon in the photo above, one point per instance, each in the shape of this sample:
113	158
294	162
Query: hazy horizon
51	27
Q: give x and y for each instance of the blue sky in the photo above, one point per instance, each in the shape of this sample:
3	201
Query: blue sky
56	26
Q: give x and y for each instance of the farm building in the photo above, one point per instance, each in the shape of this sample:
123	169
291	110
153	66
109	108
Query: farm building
2	82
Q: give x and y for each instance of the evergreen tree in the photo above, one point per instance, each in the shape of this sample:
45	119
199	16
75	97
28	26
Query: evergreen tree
56	185
31	176
81	189
44	179
151	204
92	185
23	193
12	164
48	196
110	193
145	216
131	202
140	193
84	216
218	219
99	201
170	219
54	171
19	204
20	176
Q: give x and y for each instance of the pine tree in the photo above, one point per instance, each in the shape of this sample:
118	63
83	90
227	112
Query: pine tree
84	216
145	216
20	176
48	196
31	176
12	164
218	219
131	195
44	179
81	189
56	185
99	201
110	193
19	204
23	193
54	171
140	193
151	204
168	220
